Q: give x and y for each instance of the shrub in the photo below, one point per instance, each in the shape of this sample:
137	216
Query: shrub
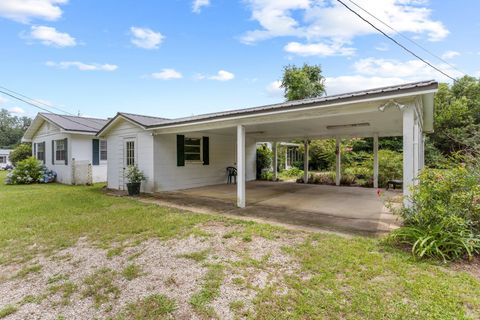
47	175
21	152
292	172
266	175
443	220
134	174
264	160
26	171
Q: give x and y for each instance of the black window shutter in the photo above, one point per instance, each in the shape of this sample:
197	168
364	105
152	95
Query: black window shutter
95	152
53	151
66	151
35	150
180	150
44	152
206	151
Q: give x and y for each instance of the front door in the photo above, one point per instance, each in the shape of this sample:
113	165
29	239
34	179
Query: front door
129	158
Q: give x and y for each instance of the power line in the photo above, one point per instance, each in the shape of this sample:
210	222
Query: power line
405	37
36	101
397	43
46	110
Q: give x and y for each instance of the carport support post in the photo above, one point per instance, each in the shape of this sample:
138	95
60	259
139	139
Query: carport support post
305	161
375	160
408	151
241	166
338	162
275	160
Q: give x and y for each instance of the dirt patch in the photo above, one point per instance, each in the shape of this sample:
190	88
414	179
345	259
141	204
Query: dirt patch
56	285
472	267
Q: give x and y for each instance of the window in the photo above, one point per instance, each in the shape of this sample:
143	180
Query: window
3	159
103	150
193	149
130	153
41	151
60	150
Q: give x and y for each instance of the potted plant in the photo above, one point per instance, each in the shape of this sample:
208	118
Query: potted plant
135	177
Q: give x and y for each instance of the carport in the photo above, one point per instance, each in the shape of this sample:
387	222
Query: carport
404	110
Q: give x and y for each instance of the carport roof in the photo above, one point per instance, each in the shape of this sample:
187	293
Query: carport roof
148	122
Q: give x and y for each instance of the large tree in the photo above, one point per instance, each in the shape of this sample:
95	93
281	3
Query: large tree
12	129
303	82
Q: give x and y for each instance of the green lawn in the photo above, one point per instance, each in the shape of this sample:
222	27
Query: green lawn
332	277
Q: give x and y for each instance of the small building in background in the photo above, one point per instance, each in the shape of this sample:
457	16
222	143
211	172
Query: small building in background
5	159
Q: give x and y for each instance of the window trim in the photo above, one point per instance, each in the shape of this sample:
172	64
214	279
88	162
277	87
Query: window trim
60	161
135	146
200	151
37	151
3	157
102	161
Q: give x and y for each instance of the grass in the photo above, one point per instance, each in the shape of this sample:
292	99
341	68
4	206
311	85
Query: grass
198	256
100	286
132	271
7	310
346	278
65	290
210	290
154	307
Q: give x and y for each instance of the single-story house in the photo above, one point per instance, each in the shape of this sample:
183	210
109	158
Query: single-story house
5	158
195	151
68	146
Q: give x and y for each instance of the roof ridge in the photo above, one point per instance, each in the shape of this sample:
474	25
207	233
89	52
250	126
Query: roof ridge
142	115
71	116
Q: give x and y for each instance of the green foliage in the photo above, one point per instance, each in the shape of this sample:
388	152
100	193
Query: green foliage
293	172
100	286
266	175
26	171
7	310
264	160
444	218
210	290
12	129
301	83
21	152
131	272
134	174
321	154
156	306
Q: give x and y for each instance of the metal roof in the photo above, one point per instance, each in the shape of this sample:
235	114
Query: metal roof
74	123
156	122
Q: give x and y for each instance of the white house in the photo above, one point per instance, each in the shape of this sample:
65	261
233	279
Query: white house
68	146
5	158
195	151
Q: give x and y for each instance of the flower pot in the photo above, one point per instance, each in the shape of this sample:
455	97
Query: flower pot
133	188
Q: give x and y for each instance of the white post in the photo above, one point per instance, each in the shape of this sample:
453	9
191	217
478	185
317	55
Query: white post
305	162
338	162
416	149
241	166
275	161
422	150
408	150
375	160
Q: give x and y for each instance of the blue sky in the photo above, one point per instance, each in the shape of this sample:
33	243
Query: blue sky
176	58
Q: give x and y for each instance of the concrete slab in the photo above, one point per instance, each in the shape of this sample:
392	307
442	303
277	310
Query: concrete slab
346	209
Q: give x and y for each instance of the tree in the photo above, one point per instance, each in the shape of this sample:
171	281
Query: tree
301	83
21	152
12	128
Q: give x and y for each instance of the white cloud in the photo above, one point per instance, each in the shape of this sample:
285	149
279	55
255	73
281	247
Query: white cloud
49	36
82	66
410	70
274	89
318	49
222	75
382	47
2	100
317	20
198	4
146	38
450	54
26	10
343	84
16	110
167	74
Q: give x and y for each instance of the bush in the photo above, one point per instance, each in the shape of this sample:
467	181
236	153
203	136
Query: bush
443	220
292	172
134	174
264	160
26	171
21	152
47	175
266	175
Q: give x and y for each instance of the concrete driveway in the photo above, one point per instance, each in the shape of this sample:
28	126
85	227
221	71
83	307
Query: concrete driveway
345	209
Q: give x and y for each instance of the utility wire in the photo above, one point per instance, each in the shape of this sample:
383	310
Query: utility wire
46	110
397	43
405	37
36	101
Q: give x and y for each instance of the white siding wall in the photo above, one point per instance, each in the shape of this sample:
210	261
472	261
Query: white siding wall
144	155
168	176
79	148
